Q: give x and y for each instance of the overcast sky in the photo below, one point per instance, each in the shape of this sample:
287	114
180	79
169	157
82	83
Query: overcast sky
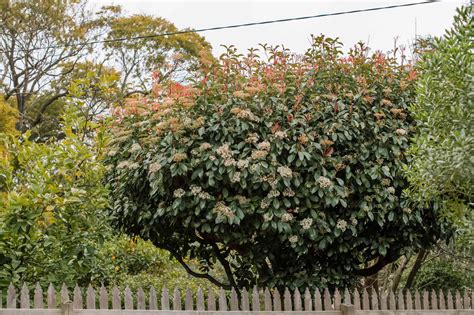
378	28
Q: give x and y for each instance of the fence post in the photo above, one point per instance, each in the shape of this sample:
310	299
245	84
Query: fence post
66	308
348	309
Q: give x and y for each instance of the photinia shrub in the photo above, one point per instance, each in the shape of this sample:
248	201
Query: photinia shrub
285	170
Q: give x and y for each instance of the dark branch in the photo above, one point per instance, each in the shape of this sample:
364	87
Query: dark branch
190	271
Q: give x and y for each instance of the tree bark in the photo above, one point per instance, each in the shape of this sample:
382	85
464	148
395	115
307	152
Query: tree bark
399	272
414	270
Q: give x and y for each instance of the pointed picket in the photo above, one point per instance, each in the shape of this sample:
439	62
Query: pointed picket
365	300
177	300
277	300
391	301
347	297
11	296
308	303
327	303
24	297
442	300
90	298
417	300
245	300
434	300
318	304
211	300
64	294
267	300
188	301
38	298
466	301
357	300
153	304
199	300
223	300
409	300
457	300
450	304
383	301
77	298
165	300
116	299
1	299
103	298
234	300
51	296
255	299
337	299
141	299
297	300
287	300
128	298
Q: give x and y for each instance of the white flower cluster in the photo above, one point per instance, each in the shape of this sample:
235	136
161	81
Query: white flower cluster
280	135
112	152
306	223
324	182
401	132
241	164
252	138
265	146
178	157
285	172
221	209
205	146
273	193
341	225
407	210
247	114
229	162
195	190
391	190
154	167
287	217
178	193
259	154
224	151
288	192
267	217
135	147
354	221
270	179
293	239
241	199
264	204
235	178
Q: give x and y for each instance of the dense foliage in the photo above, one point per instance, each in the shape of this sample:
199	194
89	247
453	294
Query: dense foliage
442	169
285	171
52	205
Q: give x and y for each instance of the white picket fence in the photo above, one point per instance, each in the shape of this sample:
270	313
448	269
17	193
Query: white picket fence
257	301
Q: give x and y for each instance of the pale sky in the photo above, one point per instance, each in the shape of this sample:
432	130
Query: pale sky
378	28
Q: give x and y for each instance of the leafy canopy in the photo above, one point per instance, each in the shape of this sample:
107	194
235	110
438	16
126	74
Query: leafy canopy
286	171
442	166
51	208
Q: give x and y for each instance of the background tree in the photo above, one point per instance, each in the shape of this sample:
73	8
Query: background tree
286	171
441	167
40	42
52	217
164	57
45	56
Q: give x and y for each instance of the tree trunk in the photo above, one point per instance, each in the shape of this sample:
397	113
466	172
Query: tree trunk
414	270
399	273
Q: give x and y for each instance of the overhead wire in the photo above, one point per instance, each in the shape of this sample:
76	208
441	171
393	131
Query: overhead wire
234	26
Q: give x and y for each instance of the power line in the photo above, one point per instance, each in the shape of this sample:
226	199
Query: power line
216	28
